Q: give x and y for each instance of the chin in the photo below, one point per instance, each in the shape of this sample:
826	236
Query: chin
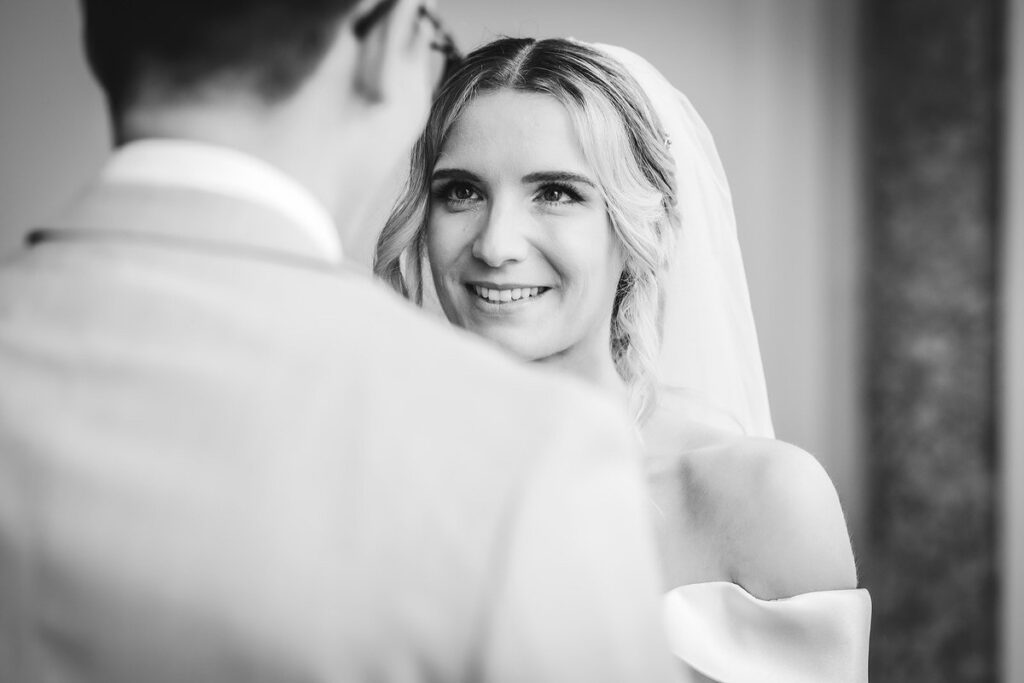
523	344
522	335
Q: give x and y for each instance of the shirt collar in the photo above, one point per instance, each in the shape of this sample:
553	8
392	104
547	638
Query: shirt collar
227	172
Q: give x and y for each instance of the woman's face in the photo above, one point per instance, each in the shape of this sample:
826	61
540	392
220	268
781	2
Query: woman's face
518	237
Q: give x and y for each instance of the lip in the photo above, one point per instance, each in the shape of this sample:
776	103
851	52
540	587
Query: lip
502	285
489	306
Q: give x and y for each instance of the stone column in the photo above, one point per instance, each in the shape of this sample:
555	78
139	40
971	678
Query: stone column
932	134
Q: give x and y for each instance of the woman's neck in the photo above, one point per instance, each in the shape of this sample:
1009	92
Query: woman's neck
592	365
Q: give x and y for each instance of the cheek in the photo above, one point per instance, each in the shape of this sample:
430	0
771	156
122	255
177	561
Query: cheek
613	255
616	262
591	257
446	238
600	273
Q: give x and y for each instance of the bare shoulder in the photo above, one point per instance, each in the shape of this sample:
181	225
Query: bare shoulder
778	516
761	513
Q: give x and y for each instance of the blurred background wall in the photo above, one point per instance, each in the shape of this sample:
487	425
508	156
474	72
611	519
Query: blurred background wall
1012	360
53	131
780	84
934	138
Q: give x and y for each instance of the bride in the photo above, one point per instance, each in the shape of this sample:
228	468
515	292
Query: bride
569	205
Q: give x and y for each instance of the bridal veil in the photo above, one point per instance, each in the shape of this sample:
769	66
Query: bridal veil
710	348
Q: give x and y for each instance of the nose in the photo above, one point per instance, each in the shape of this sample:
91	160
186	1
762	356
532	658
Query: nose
501	239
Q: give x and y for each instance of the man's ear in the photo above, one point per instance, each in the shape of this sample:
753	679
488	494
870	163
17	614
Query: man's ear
384	52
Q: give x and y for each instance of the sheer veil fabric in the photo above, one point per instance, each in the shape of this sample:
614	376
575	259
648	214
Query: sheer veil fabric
710	351
710	348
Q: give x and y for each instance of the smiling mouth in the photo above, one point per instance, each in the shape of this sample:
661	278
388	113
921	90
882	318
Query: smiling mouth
505	296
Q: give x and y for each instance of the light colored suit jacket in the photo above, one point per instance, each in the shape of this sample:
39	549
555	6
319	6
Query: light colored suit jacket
223	460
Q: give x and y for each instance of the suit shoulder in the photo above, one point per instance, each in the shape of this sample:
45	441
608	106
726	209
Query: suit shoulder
430	369
427	346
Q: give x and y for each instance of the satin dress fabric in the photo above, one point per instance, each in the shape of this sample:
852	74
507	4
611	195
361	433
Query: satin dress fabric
725	633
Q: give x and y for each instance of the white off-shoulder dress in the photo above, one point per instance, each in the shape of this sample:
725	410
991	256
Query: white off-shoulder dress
728	635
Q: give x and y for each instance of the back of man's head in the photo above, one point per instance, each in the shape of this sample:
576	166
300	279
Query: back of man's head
178	48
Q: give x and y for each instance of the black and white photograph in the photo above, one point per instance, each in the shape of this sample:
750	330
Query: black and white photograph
402	341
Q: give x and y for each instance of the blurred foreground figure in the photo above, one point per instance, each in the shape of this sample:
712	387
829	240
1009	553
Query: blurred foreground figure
225	458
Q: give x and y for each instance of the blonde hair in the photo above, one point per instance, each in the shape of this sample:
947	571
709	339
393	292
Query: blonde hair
623	142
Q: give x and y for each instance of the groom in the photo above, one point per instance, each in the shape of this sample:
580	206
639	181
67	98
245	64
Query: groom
225	457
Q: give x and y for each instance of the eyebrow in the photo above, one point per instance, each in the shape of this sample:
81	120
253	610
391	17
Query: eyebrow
456	173
537	177
558	177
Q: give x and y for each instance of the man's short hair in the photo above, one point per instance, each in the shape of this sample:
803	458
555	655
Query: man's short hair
268	47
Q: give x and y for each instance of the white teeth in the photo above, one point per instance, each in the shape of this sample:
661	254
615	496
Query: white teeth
506	295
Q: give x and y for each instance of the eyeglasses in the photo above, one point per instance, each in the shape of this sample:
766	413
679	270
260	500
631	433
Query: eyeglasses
443	42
